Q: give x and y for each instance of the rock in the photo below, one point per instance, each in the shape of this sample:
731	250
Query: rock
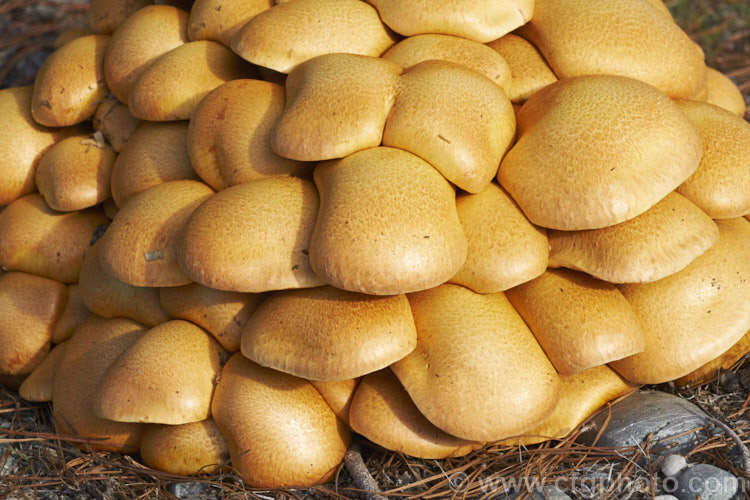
667	418
191	491
672	465
665	497
706	482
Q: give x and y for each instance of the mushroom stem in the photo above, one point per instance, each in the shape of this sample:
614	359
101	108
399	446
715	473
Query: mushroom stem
362	478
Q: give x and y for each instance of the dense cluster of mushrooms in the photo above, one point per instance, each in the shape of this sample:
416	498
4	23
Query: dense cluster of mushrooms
243	230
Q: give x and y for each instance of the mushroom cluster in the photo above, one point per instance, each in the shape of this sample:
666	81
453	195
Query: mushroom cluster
242	230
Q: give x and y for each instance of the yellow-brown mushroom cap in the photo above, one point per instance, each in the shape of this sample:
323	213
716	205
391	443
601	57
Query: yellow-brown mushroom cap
187	449
338	394
280	431
105	16
113	119
167	376
724	93
329	334
73	315
725	361
528	70
220	20
596	150
38	385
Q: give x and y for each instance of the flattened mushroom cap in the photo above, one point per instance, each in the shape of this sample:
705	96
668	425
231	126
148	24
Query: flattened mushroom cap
167	376
659	242
73	315
187	449
220	20
338	394
382	412
692	316
585	160
480	344
38	385
294	437
253	237
329	334
580	321
528	70
104	16
113	119
723	362
724	93
482	20
292	32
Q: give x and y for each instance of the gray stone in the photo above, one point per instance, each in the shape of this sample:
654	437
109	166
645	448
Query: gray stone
672	465
707	483
667	418
187	490
665	497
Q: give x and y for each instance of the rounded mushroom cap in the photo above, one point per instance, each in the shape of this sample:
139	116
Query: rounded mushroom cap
141	244
220	20
338	395
113	119
143	37
482	20
22	143
632	39
382	412
597	150
294	437
70	83
659	242
109	297
329	334
253	237
724	93
721	184
528	70
223	314
387	224
104	16
482	59
89	352
75	173
38	385
723	362
30	306
229	139
187	449
173	86
504	248
156	153
691	315
37	240
579	321
167	377
480	344
292	32
73	315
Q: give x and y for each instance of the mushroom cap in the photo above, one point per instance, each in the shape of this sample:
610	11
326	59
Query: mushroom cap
580	321
596	150
29	308
156	153
387	224
108	297
253	237
38	385
724	93
415	49
693	314
220	20
222	314
723	362
504	248
167	376
187	449
104	16
173	86
141	245
581	395
142	38
481	21
73	315
721	184
89	352
477	371
632	39
336	104
338	395
113	119
293	437
37	240
230	133
75	173
292	32
528	70
70	83
22	143
382	412
659	242
454	118
329	334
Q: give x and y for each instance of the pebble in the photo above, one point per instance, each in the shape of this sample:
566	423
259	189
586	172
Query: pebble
706	482
666	497
666	417
192	491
